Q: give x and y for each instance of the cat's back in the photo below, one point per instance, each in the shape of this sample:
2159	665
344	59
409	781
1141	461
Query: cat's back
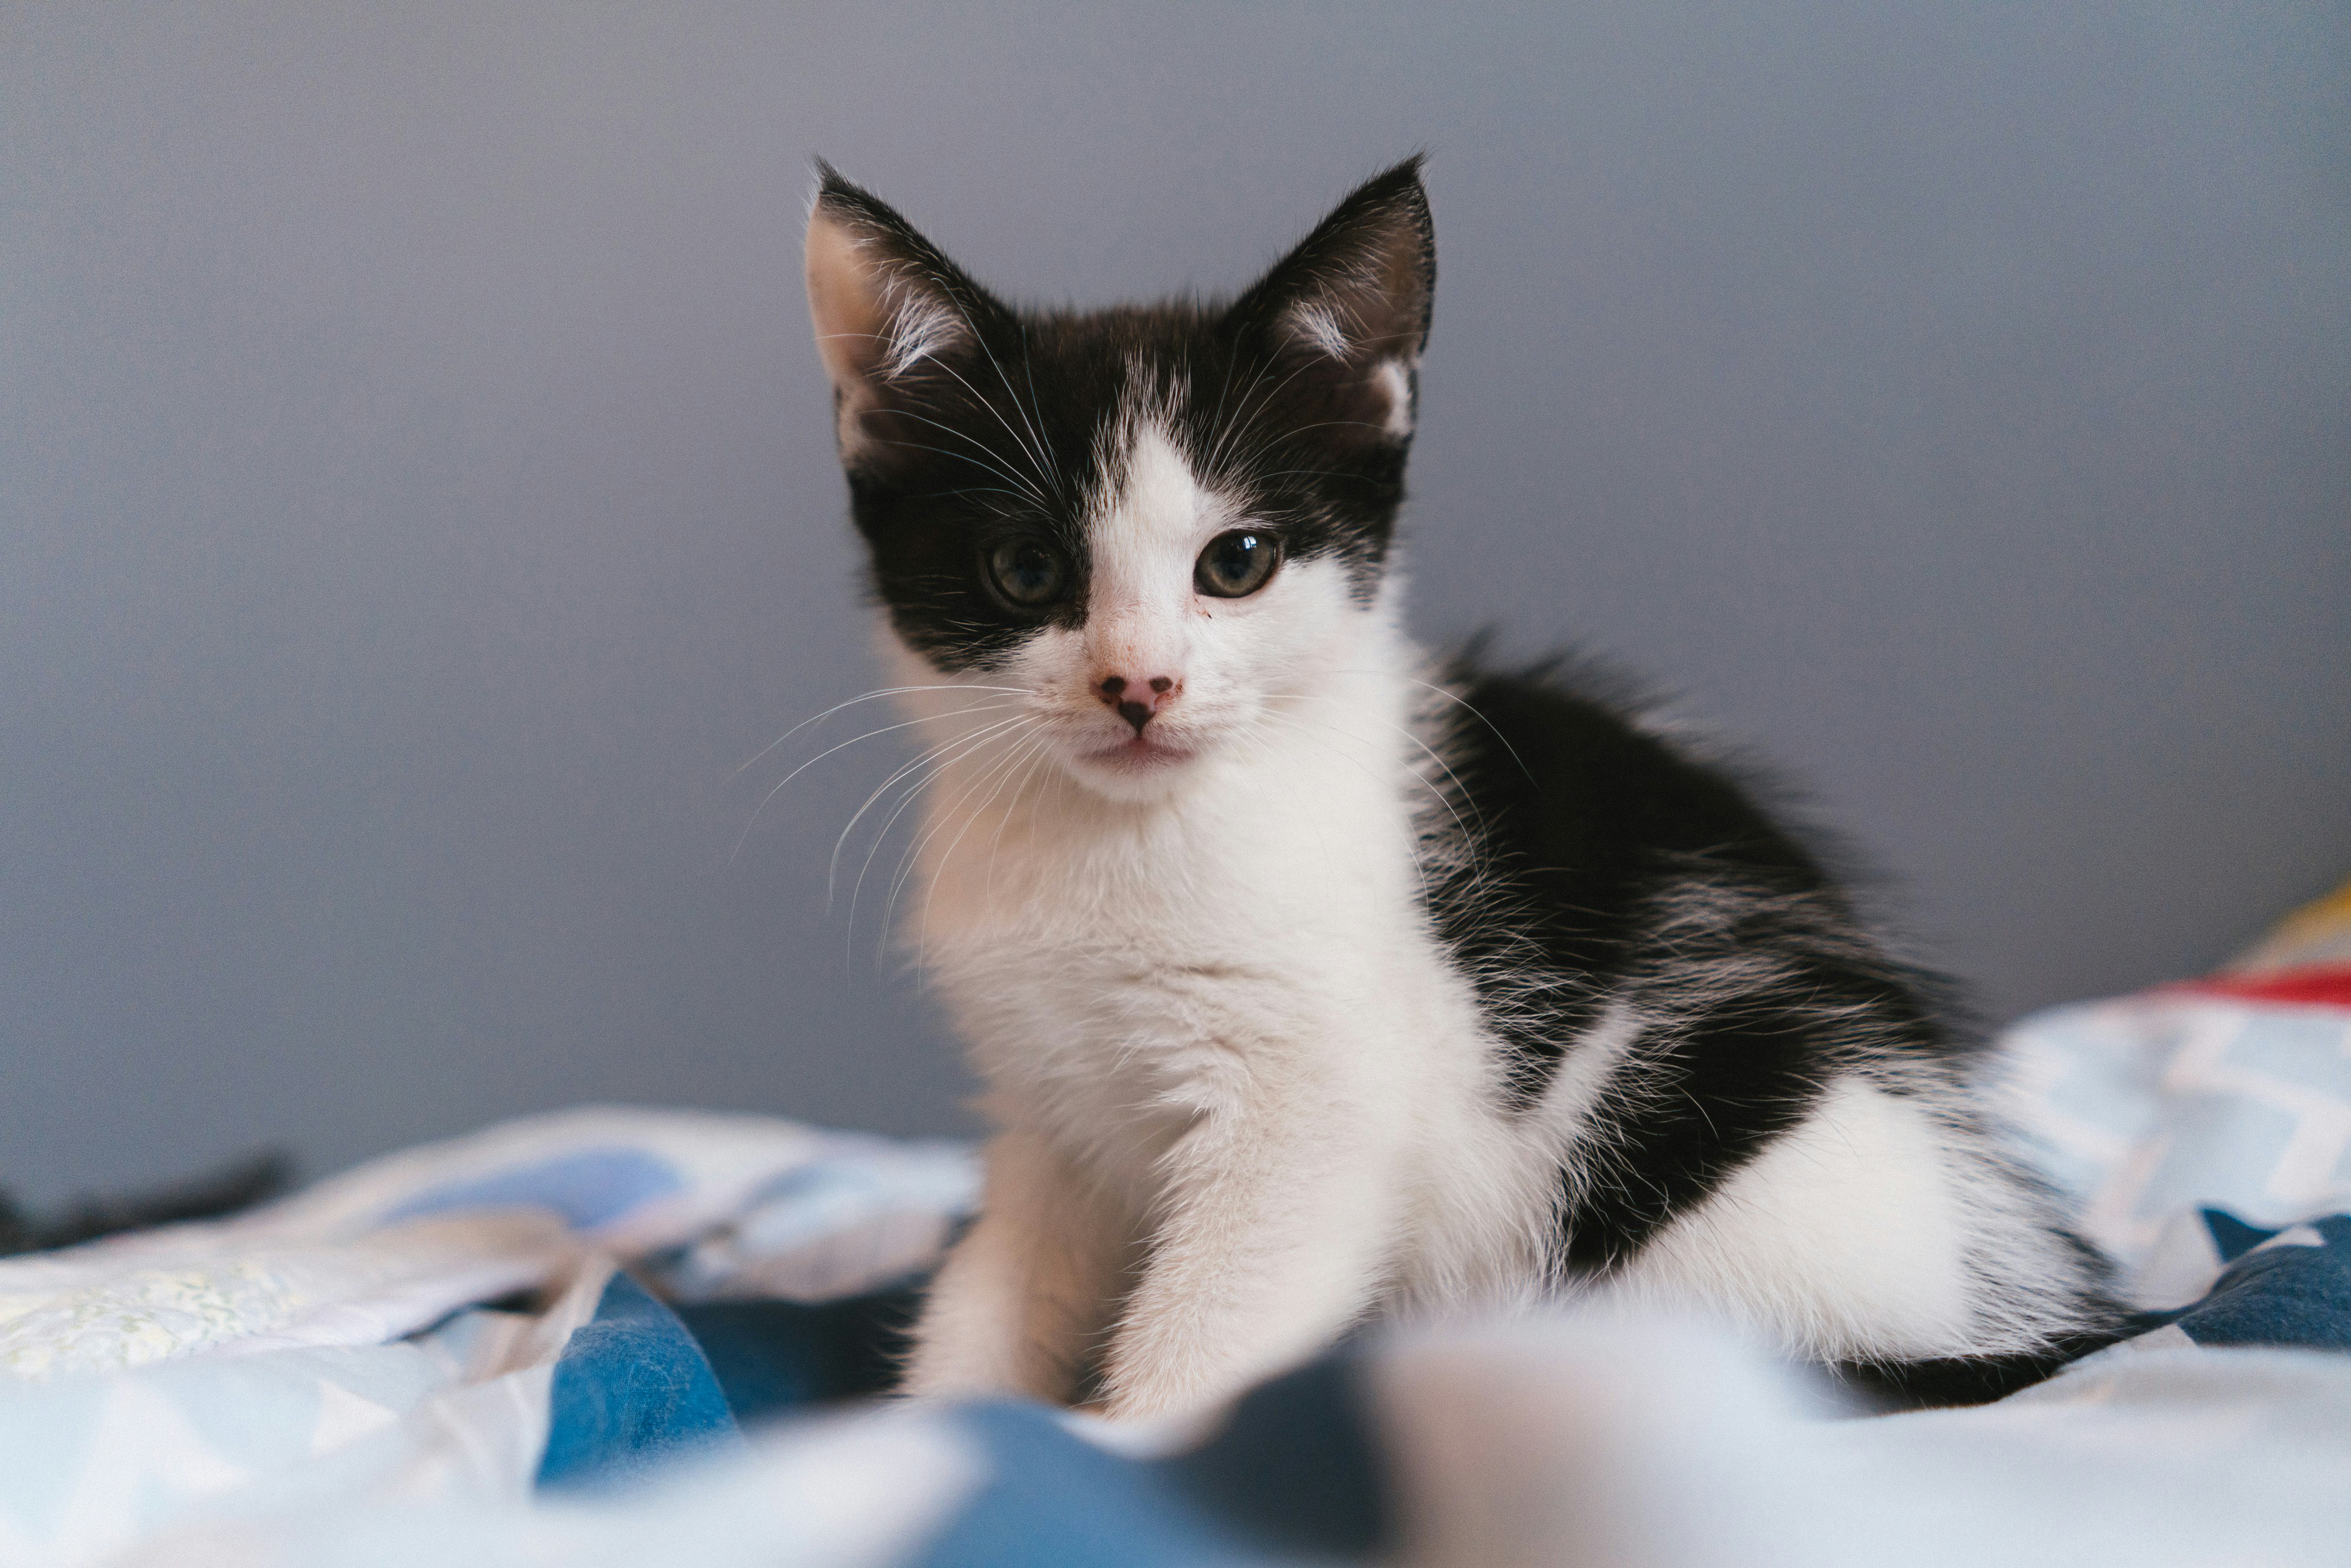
1585	851
1576	791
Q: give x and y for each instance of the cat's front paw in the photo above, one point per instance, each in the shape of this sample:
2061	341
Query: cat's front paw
1140	1388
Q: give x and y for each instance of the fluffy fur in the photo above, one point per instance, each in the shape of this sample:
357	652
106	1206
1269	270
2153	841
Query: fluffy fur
1313	978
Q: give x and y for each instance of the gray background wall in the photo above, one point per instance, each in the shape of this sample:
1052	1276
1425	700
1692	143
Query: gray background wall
415	493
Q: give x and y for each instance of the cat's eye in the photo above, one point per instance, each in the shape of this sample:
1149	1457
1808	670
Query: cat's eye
1030	573
1237	564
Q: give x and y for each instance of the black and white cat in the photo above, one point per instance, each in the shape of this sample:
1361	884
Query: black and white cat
1314	980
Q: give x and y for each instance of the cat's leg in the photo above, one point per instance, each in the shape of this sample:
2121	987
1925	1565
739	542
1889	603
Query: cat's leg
1024	1296
1273	1237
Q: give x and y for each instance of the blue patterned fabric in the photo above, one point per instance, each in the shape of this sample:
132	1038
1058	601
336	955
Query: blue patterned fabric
1293	1473
610	1337
632	1390
2146	1109
2288	1286
1300	1471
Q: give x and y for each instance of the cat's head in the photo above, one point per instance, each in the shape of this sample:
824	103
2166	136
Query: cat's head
1148	523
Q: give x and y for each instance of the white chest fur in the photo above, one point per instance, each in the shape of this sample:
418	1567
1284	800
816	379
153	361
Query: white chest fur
1119	970
1216	1029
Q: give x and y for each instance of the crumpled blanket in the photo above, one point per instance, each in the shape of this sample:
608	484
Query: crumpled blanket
612	1336
395	1332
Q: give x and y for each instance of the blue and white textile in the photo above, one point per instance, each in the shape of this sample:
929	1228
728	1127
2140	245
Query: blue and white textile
616	1337
1558	1441
2149	1109
339	1346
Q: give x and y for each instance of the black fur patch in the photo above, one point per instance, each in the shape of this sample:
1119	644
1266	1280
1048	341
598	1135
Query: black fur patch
1587	863
1016	428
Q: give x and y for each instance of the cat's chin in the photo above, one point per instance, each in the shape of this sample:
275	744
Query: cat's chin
1137	769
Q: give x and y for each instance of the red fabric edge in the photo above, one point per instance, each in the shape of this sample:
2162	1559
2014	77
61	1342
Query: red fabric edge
2320	985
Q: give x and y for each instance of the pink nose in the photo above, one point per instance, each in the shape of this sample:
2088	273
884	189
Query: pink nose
1136	701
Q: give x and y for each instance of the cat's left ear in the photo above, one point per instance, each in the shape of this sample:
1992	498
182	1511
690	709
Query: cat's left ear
891	313
1348	310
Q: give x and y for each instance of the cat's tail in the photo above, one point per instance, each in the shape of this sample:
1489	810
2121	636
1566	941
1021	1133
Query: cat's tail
1947	1382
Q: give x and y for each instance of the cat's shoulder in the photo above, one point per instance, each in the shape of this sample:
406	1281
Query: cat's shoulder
1568	760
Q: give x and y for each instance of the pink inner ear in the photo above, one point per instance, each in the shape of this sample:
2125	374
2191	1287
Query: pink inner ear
877	317
845	303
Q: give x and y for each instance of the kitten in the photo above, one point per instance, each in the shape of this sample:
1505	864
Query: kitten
1313	979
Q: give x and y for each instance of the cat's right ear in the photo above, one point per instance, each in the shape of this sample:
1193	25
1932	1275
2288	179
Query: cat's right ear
1347	310
888	307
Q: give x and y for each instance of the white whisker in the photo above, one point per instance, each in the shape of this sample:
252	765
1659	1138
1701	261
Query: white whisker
1035	755
828	751
910	860
1003	775
867	697
832	868
912	794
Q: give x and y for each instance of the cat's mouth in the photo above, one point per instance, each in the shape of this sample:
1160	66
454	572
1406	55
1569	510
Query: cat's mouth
1144	753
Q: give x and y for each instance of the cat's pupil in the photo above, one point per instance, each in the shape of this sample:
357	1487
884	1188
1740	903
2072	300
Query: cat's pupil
1028	573
1236	564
